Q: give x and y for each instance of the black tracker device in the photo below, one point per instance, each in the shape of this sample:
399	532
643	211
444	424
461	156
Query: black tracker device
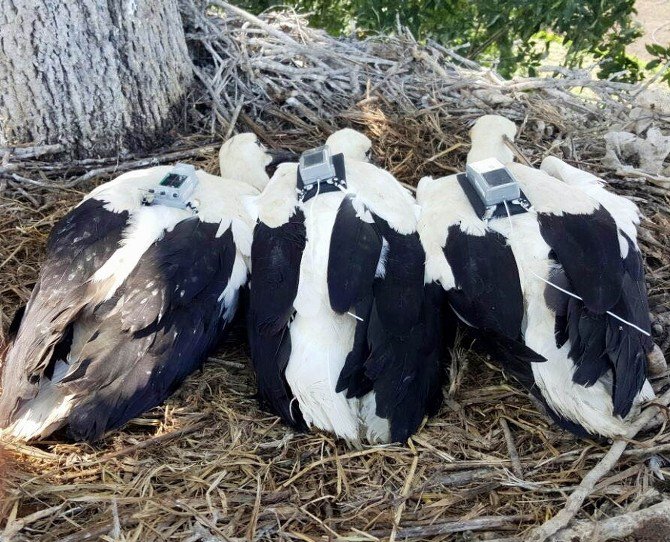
320	173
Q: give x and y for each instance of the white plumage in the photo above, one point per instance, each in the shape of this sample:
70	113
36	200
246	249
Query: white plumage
321	338
567	204
131	298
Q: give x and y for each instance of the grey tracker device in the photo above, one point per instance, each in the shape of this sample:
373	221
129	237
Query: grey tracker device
175	188
319	173
316	166
492	181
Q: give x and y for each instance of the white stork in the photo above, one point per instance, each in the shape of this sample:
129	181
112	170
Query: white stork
341	333
130	299
558	291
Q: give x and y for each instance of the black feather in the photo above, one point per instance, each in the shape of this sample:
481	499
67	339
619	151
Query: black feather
270	355
514	356
15	323
601	343
352	376
355	247
399	296
488	290
587	247
276	254
79	244
275	259
404	365
405	371
142	351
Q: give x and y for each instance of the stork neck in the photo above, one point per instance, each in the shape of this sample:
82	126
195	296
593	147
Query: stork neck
489	146
252	176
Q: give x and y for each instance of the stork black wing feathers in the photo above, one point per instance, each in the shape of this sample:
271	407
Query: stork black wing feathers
602	343
627	347
514	356
399	296
587	247
396	342
276	254
80	243
143	350
587	250
404	338
275	260
355	247
352	377
189	264
405	368
488	290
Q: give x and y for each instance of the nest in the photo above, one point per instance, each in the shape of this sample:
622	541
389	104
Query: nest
210	465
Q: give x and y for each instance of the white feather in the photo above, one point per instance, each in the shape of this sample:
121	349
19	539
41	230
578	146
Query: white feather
443	204
376	430
42	415
380	272
229	296
625	212
320	338
319	346
592	406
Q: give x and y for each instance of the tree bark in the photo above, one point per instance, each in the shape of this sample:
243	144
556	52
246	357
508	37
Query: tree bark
100	77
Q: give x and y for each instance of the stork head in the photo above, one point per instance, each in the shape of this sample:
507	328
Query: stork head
488	139
353	144
244	158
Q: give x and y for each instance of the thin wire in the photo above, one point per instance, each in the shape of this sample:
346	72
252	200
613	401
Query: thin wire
608	312
509	217
290	408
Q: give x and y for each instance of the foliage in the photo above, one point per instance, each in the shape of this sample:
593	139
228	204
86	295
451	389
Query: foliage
513	35
661	60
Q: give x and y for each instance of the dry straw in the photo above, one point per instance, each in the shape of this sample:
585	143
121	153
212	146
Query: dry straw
210	465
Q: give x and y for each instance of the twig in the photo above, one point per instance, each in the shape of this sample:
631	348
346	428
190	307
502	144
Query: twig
145	444
17	525
404	494
619	527
588	483
143	162
32	152
517	152
25	194
281	36
476	524
511	449
233	120
652	79
96	531
325	460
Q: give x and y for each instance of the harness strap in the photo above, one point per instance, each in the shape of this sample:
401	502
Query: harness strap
516	207
335	184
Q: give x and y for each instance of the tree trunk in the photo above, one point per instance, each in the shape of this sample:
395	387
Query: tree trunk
98	76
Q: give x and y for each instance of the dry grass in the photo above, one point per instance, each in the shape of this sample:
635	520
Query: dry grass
210	465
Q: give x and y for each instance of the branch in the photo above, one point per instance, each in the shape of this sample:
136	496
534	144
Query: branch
31	152
476	524
585	488
620	526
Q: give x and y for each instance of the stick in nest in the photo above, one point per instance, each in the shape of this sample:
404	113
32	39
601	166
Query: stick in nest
576	499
